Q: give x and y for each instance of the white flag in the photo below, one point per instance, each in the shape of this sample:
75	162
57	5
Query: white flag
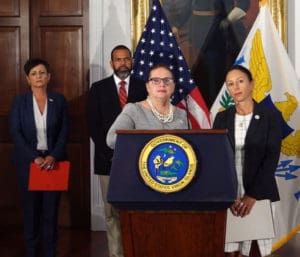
276	85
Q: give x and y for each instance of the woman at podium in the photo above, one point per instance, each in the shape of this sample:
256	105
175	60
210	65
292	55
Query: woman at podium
156	111
255	133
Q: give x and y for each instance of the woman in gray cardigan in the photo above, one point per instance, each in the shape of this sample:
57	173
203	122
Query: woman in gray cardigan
156	112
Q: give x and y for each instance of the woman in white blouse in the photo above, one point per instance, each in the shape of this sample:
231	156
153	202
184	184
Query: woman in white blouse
39	128
255	133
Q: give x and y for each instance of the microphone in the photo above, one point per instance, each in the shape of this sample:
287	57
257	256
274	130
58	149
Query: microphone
187	111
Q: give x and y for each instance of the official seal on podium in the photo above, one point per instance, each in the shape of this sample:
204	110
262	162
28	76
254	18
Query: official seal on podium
167	163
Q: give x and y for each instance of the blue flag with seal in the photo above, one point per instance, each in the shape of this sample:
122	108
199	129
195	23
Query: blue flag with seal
276	85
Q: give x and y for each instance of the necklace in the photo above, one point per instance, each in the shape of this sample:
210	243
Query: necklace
243	120
242	123
162	117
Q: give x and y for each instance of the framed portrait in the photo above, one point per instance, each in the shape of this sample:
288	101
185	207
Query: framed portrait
210	33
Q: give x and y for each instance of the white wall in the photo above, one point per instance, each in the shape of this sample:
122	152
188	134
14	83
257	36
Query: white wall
294	33
109	26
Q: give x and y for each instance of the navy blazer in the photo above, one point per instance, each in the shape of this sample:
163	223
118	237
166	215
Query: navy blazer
262	150
23	130
103	107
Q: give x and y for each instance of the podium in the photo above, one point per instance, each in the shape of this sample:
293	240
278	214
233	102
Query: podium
186	223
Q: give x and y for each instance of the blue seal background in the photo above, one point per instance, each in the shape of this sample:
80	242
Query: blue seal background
167	160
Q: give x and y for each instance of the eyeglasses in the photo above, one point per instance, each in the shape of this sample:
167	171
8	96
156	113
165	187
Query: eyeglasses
157	81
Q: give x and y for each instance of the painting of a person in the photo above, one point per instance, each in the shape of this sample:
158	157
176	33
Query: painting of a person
211	34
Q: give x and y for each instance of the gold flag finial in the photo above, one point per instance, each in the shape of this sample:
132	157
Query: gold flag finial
262	2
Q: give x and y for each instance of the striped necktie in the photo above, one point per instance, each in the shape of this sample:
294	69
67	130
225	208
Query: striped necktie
122	93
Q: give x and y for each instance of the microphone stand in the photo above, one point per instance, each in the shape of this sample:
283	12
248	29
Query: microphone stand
187	112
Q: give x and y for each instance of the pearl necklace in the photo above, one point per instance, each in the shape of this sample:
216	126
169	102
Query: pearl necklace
162	117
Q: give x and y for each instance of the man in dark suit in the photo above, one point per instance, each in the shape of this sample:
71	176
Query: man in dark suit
104	105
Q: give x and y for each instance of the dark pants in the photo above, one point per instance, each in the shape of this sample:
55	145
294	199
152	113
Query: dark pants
40	218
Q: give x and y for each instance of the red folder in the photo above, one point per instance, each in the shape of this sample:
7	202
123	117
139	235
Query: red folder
56	179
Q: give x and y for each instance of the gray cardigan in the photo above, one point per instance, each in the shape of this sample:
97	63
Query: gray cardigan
135	116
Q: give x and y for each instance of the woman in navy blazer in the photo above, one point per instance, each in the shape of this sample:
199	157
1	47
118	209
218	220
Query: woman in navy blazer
39	128
255	134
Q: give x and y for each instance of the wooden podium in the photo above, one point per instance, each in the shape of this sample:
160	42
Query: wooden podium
187	223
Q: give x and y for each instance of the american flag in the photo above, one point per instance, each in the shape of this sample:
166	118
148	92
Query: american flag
158	45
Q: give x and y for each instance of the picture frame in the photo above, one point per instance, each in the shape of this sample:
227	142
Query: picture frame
209	40
140	10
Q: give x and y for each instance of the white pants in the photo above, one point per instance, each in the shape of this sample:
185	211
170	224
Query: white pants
264	245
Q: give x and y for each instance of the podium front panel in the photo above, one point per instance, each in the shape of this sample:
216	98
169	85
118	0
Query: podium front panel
214	186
